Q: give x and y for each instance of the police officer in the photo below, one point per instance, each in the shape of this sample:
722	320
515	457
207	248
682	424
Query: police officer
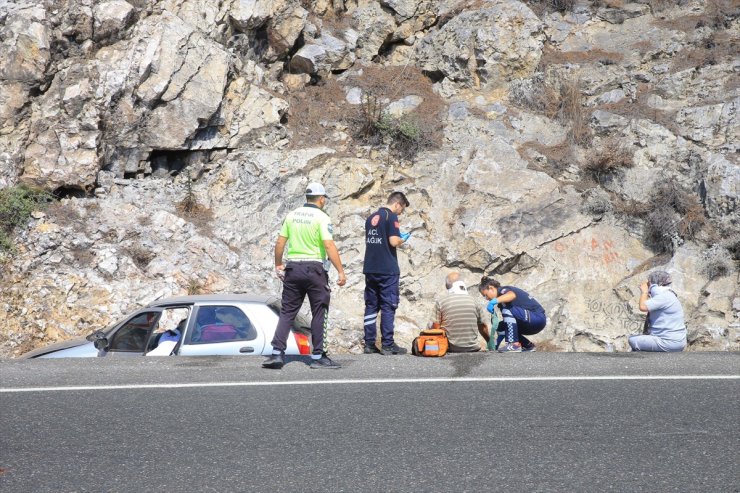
308	233
382	236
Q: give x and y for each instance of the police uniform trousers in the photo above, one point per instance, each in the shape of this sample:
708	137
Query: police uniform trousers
301	279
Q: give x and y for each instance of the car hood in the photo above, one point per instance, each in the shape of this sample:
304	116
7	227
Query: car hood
58	346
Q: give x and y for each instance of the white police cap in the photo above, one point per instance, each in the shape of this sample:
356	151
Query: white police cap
315	189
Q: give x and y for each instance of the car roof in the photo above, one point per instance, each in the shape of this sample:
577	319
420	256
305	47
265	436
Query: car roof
210	298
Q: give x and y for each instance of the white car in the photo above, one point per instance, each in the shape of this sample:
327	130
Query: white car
202	325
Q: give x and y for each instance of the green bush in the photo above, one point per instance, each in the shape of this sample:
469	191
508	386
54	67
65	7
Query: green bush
408	129
16	205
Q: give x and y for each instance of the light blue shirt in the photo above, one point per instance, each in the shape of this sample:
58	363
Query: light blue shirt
666	315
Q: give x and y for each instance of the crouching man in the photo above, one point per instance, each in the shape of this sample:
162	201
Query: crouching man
458	313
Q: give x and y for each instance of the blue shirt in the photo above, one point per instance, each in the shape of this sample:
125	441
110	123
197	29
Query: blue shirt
380	256
522	300
170	335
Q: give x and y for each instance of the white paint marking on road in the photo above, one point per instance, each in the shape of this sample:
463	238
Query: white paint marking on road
366	381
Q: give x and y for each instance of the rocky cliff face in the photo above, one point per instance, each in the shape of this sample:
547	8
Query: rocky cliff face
566	147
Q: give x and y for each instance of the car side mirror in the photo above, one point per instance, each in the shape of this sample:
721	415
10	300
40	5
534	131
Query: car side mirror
95	335
101	343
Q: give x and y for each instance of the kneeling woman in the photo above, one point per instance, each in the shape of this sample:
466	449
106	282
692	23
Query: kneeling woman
665	315
522	314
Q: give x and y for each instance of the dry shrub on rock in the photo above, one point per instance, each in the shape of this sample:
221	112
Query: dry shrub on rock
534	94
571	110
661	230
140	256
717	14
405	136
314	112
639	107
610	157
596	202
661	5
195	286
559	159
198	285
191	209
716	262
717	47
610	4
560	98
544	6
321	110
675	215
553	56
731	243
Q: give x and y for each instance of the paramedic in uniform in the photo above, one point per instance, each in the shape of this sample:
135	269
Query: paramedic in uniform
308	233
382	236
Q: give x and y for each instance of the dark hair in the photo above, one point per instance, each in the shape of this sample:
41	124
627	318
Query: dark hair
398	197
313	198
486	282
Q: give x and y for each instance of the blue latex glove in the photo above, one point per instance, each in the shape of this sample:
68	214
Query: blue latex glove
405	237
491	305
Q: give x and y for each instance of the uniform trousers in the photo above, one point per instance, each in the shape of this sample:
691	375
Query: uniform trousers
381	297
518	322
301	279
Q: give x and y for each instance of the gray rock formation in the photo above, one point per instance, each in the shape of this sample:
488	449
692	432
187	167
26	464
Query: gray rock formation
325	54
486	46
531	146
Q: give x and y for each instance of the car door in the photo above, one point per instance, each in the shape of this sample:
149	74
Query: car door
223	329
299	339
132	336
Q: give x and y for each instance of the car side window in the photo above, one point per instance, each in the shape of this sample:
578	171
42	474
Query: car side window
132	336
221	323
170	328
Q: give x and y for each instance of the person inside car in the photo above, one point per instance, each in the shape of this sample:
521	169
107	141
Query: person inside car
168	340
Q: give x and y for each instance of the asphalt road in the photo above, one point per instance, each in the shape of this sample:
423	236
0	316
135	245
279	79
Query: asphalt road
484	422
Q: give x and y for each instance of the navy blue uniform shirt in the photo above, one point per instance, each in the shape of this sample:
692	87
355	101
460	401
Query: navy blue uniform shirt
380	256
523	300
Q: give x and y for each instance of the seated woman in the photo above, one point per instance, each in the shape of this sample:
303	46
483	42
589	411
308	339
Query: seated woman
667	329
522	314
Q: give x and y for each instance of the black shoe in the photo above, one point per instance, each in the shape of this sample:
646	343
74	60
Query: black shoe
372	349
274	362
324	363
394	349
529	348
